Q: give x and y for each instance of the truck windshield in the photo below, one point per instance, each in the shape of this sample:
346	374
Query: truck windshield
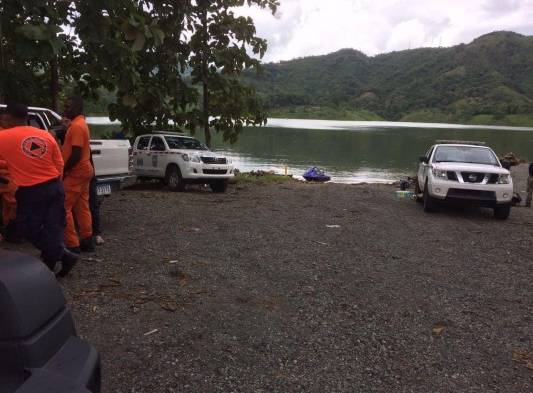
468	154
176	142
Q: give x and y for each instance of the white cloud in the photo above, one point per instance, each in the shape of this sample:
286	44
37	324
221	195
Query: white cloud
315	27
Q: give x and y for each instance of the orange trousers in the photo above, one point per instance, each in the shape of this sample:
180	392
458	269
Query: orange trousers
77	208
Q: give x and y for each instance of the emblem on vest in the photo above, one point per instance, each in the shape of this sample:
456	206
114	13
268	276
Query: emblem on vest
34	147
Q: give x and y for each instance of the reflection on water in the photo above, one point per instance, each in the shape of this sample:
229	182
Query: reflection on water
353	152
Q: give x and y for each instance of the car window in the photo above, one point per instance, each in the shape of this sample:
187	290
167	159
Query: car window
51	119
176	142
157	144
468	154
35	121
143	143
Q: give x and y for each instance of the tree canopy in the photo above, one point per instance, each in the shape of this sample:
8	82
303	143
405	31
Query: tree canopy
169	63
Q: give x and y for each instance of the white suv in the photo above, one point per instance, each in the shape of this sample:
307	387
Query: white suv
180	159
464	172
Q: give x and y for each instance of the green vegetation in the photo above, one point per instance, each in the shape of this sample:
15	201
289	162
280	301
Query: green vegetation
323	113
261	178
150	64
490	79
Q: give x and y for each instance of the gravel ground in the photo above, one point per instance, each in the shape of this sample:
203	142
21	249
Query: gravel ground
307	288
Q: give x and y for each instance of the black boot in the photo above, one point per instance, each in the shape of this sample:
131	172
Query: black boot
74	250
87	244
69	259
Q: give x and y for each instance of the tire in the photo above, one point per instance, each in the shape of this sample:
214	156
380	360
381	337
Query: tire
418	191
219	186
502	212
173	178
430	205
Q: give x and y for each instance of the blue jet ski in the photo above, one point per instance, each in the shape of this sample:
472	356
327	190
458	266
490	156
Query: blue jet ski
315	174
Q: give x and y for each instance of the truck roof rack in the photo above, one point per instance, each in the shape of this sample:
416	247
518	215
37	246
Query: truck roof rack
170	133
458	142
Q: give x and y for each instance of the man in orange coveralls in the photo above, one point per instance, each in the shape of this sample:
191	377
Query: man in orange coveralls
77	177
7	195
35	165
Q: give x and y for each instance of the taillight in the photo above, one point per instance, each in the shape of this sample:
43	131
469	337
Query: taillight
130	161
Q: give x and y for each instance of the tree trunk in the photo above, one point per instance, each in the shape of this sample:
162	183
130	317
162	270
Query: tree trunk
205	114
205	75
54	84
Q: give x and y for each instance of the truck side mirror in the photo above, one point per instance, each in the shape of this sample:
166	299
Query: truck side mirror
38	342
423	159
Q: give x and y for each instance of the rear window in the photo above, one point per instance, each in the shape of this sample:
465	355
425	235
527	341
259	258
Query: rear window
143	143
176	142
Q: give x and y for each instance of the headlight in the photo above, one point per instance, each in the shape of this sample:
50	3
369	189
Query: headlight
229	160
440	174
195	159
185	157
504	179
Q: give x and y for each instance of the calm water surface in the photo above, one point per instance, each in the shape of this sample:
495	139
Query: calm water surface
353	152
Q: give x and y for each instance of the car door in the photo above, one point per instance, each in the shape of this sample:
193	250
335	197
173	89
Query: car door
157	153
423	169
141	157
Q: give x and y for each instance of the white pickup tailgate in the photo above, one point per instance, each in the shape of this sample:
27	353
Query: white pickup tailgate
110	157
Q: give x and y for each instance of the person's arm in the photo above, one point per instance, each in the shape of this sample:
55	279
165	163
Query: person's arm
75	157
57	157
76	141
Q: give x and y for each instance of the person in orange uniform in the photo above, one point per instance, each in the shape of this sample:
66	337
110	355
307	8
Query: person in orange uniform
77	177
35	165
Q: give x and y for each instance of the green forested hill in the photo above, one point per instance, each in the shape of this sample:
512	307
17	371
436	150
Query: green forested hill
488	81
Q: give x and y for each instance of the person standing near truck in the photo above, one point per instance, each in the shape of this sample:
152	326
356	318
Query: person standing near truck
77	177
35	165
529	186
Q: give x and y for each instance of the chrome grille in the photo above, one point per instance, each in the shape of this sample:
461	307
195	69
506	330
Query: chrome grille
473	177
214	160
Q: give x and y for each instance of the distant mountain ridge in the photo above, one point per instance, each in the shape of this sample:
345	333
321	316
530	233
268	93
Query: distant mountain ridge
489	80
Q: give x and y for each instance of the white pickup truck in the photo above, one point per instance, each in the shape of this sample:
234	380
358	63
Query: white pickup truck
178	160
464	172
112	159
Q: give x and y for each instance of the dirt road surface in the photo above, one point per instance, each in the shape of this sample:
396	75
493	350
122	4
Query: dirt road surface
306	288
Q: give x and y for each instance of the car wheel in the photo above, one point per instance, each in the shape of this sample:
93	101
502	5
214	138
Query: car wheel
502	211
430	205
219	186
173	178
418	191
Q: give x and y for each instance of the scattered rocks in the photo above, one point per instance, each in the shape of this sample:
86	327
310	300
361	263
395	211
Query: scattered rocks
266	298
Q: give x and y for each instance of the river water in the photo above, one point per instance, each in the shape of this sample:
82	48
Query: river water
353	152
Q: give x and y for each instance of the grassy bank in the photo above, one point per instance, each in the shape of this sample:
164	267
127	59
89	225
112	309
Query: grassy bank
422	116
323	113
253	178
431	116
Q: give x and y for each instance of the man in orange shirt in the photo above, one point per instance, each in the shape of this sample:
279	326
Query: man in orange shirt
77	177
35	164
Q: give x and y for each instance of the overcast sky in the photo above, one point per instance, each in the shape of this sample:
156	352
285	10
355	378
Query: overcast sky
315	27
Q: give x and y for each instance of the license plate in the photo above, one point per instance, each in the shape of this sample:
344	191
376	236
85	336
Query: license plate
103	189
